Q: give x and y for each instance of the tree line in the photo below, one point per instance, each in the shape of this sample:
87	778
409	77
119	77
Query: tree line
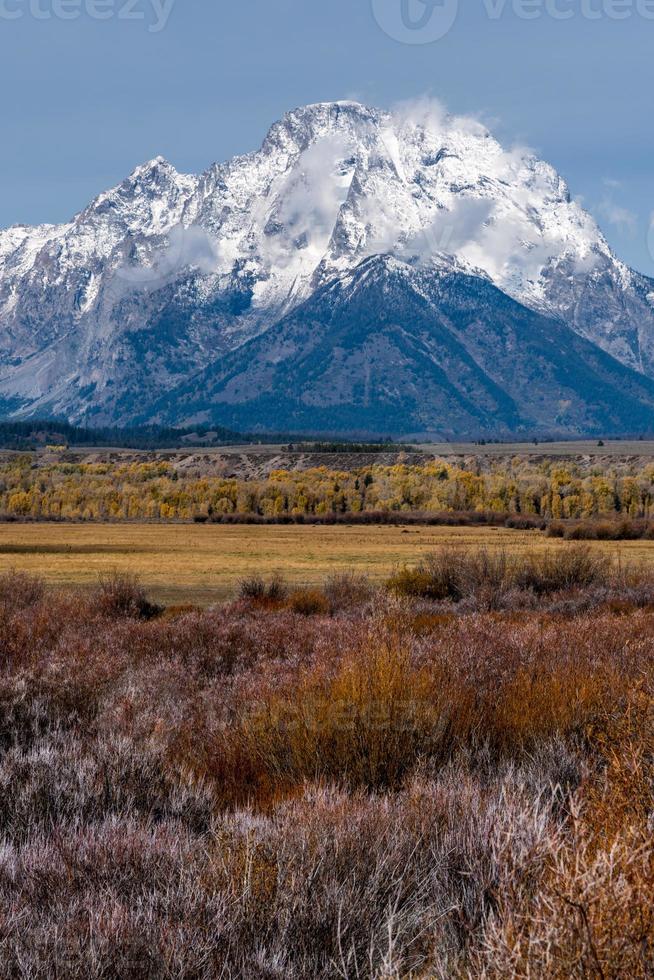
159	490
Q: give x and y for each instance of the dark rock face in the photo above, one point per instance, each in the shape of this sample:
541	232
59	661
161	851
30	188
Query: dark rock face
388	349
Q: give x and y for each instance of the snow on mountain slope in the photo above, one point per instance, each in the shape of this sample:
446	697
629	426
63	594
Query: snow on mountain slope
167	272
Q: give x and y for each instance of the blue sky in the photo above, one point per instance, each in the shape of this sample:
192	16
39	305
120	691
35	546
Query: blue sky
86	99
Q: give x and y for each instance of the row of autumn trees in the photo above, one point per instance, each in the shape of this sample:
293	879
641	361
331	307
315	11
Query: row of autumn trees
157	490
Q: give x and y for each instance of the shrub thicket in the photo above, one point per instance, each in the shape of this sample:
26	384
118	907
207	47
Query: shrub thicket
390	790
495	578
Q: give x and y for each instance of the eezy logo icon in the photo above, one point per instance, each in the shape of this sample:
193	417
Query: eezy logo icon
415	21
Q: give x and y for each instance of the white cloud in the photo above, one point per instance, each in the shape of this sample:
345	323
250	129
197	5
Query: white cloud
501	210
430	114
619	217
452	232
306	202
185	248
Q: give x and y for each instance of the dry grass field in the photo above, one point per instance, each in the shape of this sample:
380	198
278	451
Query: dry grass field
203	564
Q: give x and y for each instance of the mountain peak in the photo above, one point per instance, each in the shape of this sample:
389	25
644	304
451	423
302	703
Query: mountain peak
345	105
340	192
153	170
301	127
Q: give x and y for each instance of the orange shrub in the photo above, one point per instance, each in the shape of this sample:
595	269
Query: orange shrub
309	602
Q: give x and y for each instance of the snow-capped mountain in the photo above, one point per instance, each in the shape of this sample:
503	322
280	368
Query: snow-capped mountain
139	306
